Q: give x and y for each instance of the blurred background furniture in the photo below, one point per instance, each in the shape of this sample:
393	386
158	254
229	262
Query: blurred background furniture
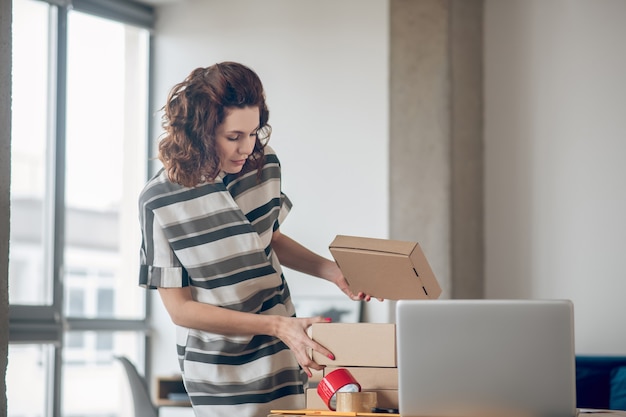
142	403
601	382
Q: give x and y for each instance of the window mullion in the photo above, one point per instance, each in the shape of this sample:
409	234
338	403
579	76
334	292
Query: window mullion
58	226
82	324
130	12
34	324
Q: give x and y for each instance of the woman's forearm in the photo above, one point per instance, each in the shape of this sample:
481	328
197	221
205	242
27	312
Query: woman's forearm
295	256
186	312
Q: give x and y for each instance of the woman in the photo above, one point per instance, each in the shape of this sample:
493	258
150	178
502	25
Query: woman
213	248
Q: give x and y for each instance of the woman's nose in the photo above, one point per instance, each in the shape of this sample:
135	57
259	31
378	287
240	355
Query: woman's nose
247	146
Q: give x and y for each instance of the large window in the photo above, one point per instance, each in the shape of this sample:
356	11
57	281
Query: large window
78	160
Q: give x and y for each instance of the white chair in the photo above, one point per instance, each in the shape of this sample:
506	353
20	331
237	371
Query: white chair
139	388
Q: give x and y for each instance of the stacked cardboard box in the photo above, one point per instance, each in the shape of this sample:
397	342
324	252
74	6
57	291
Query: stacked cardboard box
382	268
367	350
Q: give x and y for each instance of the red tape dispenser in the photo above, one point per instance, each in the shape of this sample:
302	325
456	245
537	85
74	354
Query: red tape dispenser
339	380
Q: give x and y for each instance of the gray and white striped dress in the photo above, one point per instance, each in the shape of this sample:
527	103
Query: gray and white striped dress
216	238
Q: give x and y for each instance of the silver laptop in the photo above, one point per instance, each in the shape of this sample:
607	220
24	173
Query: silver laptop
476	357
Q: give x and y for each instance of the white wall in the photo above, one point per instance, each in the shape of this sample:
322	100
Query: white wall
324	68
554	136
555	144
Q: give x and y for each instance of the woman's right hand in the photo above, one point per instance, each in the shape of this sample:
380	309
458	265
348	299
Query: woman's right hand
293	332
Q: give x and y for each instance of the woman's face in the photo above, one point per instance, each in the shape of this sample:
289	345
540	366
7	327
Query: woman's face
236	138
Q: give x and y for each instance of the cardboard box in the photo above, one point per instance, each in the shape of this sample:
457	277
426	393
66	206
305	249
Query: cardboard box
356	344
315	378
314	401
371	378
389	269
386	398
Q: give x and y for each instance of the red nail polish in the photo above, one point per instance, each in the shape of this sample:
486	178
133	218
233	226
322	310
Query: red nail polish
331	357
328	320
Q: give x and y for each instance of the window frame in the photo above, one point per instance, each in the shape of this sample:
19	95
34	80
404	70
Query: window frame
47	324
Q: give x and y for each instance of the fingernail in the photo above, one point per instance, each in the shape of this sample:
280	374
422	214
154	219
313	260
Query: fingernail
331	357
328	320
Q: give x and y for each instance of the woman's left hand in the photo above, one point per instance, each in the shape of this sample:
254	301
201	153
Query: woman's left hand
340	281
343	286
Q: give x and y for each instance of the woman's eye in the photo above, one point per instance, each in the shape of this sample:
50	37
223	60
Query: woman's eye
233	139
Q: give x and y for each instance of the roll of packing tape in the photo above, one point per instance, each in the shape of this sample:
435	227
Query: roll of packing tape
359	402
339	380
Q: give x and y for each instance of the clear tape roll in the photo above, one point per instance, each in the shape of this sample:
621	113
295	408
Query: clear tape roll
360	402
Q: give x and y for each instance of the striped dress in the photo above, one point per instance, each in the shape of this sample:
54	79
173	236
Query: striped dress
216	238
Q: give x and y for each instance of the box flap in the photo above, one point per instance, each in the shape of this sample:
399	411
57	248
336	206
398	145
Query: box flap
372	244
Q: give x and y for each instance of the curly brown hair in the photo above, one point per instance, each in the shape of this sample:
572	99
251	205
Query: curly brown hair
194	110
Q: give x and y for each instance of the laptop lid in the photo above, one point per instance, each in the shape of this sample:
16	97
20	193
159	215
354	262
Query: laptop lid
466	357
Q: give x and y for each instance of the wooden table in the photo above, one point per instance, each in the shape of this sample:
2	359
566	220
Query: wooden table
319	413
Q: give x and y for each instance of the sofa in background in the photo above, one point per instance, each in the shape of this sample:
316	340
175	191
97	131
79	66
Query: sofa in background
601	382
